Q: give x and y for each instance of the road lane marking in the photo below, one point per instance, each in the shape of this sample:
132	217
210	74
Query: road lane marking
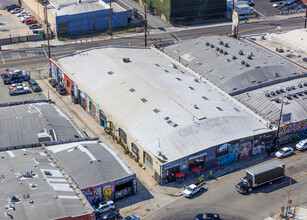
257	28
296	177
2	57
16	55
45	53
153	41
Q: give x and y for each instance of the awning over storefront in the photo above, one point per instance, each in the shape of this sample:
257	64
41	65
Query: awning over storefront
180	174
196	169
197	156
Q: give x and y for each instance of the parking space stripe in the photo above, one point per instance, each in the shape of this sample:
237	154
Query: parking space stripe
296	177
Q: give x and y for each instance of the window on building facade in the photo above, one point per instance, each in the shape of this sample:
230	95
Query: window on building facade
112	127
92	108
68	84
123	136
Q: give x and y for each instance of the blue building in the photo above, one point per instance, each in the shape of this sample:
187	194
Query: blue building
76	17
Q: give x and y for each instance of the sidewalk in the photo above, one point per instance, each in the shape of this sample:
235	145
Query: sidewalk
300	214
166	30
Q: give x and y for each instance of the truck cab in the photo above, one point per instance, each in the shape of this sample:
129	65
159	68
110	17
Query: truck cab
244	186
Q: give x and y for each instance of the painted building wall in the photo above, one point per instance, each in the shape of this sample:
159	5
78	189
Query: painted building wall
292	132
102	192
91	22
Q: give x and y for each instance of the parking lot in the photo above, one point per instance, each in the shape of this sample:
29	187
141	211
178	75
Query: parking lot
5	97
266	8
10	26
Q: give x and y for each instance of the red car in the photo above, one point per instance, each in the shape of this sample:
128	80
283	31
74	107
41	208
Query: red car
30	21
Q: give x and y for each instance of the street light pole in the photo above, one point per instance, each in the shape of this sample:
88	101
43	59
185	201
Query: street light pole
145	10
47	25
305	17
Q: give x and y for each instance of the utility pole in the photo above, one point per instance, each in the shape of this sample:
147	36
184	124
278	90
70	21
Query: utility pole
111	31
277	132
47	25
145	10
305	17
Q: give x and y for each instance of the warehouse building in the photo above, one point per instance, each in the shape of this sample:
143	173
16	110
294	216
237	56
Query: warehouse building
169	120
77	17
31	123
271	85
96	169
33	187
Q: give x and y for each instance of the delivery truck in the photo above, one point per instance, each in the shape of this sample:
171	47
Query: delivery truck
261	174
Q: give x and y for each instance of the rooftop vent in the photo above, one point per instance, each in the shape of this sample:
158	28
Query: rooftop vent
126	60
221	42
247	64
305	83
166	71
225	52
196	80
276	74
110	72
277	100
166	118
156	110
174	125
288	88
169	121
289	96
211	45
207	43
226	44
277	91
272	93
217	48
204	97
300	93
196	107
157	65
241	52
282	90
249	57
305	91
234	57
132	90
178	79
292	87
236	109
295	95
242	62
219	108
144	100
190	87
221	51
267	94
300	85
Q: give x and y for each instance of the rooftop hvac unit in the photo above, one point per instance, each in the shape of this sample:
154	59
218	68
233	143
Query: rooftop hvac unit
241	52
126	60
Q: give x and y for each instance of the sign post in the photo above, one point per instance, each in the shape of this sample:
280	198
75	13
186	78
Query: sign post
235	23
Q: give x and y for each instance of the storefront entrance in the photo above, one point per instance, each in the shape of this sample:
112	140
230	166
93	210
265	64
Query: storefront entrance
197	161
171	174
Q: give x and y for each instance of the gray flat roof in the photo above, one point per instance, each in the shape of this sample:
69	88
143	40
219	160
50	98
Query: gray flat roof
269	109
22	124
156	102
52	197
265	166
90	163
228	73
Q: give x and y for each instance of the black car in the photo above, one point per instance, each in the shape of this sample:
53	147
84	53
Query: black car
7	78
61	89
11	7
33	84
111	215
53	82
207	216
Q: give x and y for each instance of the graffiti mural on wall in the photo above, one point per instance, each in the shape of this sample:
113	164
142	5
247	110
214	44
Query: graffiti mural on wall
292	132
99	193
231	156
245	149
259	146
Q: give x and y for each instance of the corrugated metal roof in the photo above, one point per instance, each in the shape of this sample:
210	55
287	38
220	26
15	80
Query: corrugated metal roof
156	79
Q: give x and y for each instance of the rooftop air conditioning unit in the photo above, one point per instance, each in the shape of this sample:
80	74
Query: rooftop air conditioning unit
126	60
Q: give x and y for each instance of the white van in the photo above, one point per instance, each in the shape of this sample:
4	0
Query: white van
302	145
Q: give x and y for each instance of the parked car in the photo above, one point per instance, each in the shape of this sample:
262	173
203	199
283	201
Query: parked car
105	206
15	90
207	216
22	13
31	21
112	215
53	82
7	78
15	11
302	145
20	74
35	26
132	217
284	152
273	0
61	89
12	7
22	19
35	87
275	5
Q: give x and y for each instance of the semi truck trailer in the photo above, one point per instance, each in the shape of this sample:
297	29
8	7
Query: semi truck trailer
261	174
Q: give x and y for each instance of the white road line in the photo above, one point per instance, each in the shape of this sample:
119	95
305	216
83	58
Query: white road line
45	53
10	153
2	57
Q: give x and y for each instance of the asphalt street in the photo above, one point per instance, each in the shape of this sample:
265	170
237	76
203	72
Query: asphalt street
222	198
39	55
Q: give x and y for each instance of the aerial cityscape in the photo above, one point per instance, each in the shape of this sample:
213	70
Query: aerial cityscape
153	109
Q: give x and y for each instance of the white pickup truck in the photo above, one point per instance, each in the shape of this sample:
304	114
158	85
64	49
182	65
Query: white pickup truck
193	188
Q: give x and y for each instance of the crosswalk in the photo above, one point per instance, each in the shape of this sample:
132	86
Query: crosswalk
8	56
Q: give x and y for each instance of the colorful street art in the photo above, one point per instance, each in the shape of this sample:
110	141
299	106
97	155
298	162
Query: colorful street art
292	132
259	147
99	193
245	149
231	156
